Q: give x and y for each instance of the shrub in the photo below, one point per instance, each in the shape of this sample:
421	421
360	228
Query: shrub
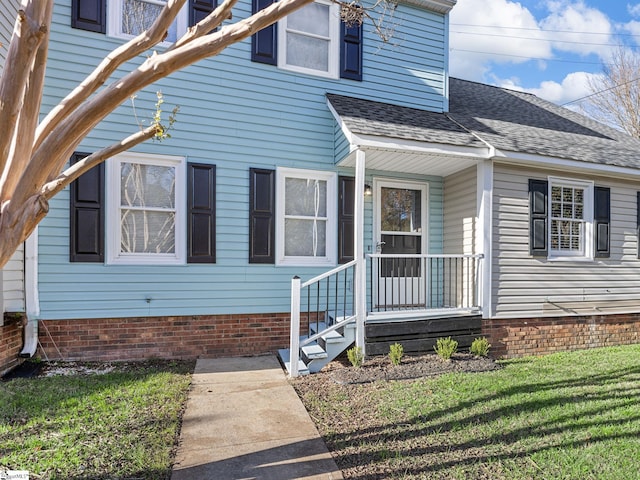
480	347
396	351
446	347
356	357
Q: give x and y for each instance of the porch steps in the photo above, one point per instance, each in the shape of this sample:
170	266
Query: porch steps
328	346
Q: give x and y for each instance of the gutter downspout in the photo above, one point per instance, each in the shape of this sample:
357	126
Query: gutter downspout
31	298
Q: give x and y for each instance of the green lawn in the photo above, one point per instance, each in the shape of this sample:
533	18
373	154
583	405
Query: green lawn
564	416
118	425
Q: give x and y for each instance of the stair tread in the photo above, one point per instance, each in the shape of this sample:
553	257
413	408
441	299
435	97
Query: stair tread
314	351
283	353
329	336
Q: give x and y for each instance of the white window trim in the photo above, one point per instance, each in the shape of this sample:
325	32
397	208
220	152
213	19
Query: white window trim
113	227
330	259
114	21
588	247
334	45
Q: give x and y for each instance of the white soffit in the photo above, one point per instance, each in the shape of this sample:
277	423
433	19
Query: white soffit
438	6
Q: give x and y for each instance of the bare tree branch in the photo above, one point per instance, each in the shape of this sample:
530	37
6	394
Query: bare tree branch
616	93
73	172
131	49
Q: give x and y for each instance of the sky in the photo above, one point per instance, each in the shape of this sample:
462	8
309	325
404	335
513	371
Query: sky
546	47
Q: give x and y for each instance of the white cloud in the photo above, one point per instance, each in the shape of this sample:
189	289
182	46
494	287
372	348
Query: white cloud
473	48
573	87
634	10
577	28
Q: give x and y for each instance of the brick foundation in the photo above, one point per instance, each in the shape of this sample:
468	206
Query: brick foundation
163	337
10	345
518	337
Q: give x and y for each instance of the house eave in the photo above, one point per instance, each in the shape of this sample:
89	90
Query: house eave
438	6
541	161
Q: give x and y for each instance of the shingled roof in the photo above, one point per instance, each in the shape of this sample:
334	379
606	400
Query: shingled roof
510	121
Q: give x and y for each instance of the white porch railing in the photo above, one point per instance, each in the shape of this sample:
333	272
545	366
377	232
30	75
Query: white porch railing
424	282
328	298
396	284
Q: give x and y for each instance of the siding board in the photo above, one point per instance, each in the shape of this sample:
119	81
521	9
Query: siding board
527	286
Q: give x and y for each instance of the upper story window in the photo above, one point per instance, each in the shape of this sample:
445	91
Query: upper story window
128	18
309	39
146	209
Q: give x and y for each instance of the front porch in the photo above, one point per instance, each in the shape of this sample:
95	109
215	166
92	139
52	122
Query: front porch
409	299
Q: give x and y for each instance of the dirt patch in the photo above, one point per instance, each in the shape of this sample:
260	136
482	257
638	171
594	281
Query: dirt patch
380	368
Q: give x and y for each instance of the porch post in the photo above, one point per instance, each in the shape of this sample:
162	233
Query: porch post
294	332
358	251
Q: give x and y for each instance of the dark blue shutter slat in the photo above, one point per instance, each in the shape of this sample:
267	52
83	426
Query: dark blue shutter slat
199	9
538	191
262	230
346	192
201	211
351	51
86	225
602	221
89	15
264	44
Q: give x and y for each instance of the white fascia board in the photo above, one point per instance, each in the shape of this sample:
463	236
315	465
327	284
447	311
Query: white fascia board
533	160
345	130
438	6
415	146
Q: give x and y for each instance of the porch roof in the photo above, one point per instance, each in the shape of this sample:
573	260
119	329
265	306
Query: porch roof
405	139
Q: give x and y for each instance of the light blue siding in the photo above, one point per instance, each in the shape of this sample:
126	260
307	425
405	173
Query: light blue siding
235	114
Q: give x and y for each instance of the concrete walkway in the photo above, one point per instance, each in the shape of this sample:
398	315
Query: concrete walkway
244	421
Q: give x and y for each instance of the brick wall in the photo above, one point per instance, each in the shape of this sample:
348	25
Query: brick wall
10	345
163	337
519	337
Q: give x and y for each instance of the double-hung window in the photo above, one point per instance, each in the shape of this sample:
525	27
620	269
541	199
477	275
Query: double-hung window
128	18
309	39
571	218
146	209
306	217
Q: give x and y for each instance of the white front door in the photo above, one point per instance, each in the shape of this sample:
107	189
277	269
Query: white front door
400	228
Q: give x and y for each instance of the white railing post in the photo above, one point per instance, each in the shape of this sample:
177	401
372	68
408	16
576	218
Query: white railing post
358	251
294	332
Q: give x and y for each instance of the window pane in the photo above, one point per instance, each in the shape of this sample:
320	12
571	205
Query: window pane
305	238
305	197
307	52
313	18
400	210
139	15
147	232
149	186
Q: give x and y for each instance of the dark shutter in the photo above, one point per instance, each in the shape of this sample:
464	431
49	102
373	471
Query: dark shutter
602	220
199	9
86	225
346	201
264	44
201	213
89	15
262	231
351	51
538	191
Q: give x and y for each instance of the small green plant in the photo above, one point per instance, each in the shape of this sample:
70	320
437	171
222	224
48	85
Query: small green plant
446	347
396	351
480	347
355	356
